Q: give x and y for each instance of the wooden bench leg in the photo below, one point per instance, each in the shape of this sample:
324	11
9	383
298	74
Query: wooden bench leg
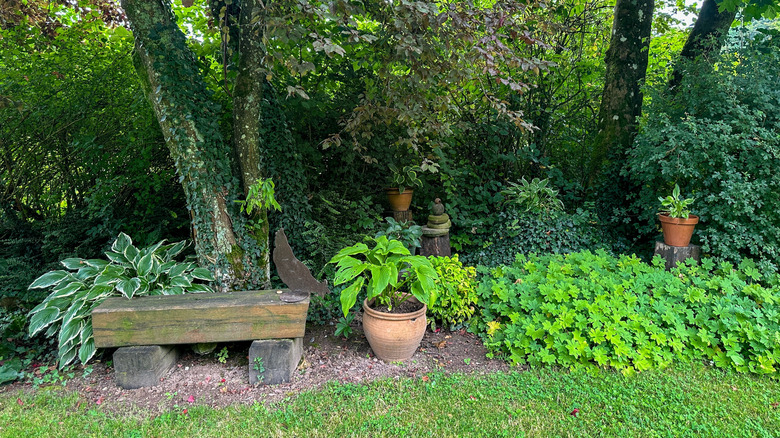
137	367
273	361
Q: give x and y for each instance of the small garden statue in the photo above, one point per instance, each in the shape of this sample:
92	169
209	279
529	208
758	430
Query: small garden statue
436	233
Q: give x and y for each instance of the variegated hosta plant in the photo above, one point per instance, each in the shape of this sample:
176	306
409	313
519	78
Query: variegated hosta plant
129	272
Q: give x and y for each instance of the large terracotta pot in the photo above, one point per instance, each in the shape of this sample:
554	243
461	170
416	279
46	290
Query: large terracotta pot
399	201
678	231
394	336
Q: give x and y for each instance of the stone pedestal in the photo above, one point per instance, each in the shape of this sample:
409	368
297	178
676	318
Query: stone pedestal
137	367
273	361
675	254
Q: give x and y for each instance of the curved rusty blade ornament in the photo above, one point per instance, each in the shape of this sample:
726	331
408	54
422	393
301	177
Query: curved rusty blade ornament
293	273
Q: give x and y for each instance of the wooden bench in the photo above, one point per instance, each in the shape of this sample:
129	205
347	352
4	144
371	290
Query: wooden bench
147	329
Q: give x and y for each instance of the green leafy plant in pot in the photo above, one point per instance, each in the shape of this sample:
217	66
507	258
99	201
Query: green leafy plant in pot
398	285
677	222
402	181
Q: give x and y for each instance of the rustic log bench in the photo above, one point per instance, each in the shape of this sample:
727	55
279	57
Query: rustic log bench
147	330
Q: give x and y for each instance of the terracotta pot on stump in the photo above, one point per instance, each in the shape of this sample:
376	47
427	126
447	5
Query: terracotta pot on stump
678	231
399	201
394	336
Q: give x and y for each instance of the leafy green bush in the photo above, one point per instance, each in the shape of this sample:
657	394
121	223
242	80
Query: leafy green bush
128	272
405	232
534	197
719	138
586	310
521	232
456	290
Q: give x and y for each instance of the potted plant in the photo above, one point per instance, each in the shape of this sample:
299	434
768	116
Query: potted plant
677	222
400	194
398	286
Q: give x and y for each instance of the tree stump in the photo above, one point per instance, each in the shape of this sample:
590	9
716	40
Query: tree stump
403	216
675	254
436	246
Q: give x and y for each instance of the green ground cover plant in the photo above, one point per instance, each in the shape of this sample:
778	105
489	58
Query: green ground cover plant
687	401
590	310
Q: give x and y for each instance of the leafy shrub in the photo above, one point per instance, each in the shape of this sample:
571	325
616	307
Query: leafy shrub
521	232
719	138
128	272
534	197
456	290
586	310
406	232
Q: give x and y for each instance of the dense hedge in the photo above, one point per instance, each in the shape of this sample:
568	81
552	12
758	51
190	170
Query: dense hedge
594	310
521	232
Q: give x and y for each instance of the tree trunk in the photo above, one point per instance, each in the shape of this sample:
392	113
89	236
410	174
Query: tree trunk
626	66
707	37
188	118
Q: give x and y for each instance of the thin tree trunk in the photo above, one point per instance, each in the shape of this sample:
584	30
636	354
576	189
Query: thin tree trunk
707	36
626	67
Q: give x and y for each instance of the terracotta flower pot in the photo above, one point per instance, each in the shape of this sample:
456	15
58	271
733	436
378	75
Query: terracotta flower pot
394	336
678	231
399	201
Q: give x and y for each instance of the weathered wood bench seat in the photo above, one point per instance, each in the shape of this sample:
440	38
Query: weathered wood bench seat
148	328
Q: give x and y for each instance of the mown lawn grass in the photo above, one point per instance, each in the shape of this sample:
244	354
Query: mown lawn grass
684	401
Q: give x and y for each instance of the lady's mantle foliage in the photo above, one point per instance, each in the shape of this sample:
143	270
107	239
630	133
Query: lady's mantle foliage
588	310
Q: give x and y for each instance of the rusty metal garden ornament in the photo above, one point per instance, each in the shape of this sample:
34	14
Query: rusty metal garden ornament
293	273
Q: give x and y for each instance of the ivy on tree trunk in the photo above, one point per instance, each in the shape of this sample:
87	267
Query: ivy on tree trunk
188	118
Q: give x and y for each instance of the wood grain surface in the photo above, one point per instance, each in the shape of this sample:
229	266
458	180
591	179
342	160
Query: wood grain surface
196	318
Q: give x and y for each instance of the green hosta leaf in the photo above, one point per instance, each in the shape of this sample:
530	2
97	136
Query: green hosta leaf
67	354
349	295
202	274
96	263
175	290
42	318
175	250
73	263
86	332
99	291
87	350
166	267
199	288
180	281
177	270
87	272
129	287
118	258
64	290
359	248
131	254
48	279
71	330
349	271
121	243
144	265
380	277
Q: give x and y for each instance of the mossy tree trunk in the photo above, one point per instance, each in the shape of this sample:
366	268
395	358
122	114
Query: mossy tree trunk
188	118
626	67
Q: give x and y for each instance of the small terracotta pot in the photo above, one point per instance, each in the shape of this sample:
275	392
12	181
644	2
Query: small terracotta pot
394	336
399	201
677	231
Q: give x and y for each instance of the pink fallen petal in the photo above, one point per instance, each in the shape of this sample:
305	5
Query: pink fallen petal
191	399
